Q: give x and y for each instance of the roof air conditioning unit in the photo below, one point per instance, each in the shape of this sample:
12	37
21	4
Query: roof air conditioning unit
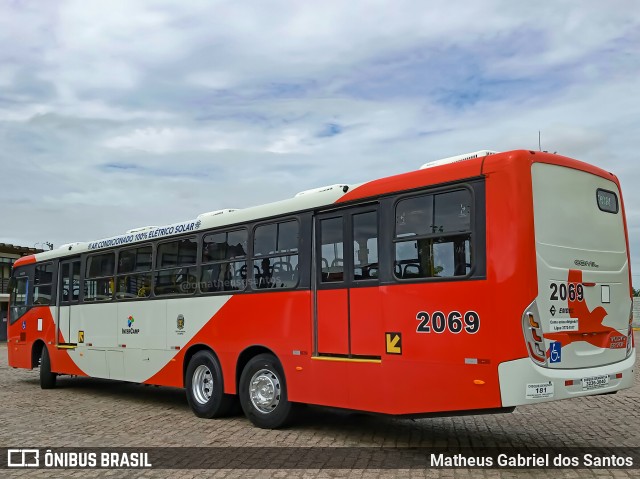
209	214
322	189
455	159
140	230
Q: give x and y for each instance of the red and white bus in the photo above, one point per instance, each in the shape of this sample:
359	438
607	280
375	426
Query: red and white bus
473	284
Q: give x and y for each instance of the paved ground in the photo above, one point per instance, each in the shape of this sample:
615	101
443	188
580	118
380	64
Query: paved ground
93	413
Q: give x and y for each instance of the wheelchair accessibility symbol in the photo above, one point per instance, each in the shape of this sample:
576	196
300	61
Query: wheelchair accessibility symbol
555	352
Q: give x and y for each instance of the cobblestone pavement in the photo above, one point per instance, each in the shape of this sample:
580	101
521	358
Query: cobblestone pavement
84	412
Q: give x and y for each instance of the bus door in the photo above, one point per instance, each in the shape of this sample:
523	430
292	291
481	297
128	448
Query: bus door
347	316
69	295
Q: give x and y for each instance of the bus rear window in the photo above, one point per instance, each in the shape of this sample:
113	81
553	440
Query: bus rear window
607	201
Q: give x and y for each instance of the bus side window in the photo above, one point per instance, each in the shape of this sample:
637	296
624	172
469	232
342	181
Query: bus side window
275	255
42	284
365	246
134	273
65	293
99	283
75	291
331	236
224	266
439	249
176	261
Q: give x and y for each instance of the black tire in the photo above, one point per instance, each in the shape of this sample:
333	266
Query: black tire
270	411
47	378
207	398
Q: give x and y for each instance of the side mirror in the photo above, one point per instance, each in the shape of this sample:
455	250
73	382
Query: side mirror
11	285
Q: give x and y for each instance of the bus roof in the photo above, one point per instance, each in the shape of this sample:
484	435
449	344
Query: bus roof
465	166
204	222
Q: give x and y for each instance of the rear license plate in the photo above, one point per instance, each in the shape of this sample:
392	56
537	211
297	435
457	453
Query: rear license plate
595	382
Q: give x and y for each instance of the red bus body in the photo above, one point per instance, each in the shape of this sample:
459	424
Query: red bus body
433	372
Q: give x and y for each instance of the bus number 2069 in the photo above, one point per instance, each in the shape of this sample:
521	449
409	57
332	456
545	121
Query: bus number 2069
455	322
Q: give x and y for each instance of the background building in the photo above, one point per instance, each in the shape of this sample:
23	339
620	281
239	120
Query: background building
8	254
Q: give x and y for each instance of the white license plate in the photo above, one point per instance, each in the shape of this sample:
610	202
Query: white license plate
595	382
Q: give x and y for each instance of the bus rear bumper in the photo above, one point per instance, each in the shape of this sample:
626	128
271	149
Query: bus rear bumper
523	382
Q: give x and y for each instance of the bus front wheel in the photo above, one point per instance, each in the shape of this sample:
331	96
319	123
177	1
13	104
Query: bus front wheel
47	378
263	393
205	389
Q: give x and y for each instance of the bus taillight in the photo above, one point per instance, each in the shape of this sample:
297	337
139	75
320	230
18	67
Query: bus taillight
533	334
630	339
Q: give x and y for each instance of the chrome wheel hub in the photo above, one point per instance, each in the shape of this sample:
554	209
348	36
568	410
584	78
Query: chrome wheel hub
264	391
202	384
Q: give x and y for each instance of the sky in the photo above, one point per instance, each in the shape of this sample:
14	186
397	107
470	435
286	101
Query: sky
120	114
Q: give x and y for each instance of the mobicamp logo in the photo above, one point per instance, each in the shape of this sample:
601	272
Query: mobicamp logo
130	329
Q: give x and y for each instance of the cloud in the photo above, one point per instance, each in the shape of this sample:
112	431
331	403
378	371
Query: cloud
118	114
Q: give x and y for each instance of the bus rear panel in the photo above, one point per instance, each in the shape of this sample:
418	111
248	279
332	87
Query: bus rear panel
578	328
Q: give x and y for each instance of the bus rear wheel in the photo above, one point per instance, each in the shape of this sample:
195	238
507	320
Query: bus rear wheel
47	378
263	393
205	389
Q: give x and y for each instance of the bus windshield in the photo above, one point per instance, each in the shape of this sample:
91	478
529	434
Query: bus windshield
19	288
